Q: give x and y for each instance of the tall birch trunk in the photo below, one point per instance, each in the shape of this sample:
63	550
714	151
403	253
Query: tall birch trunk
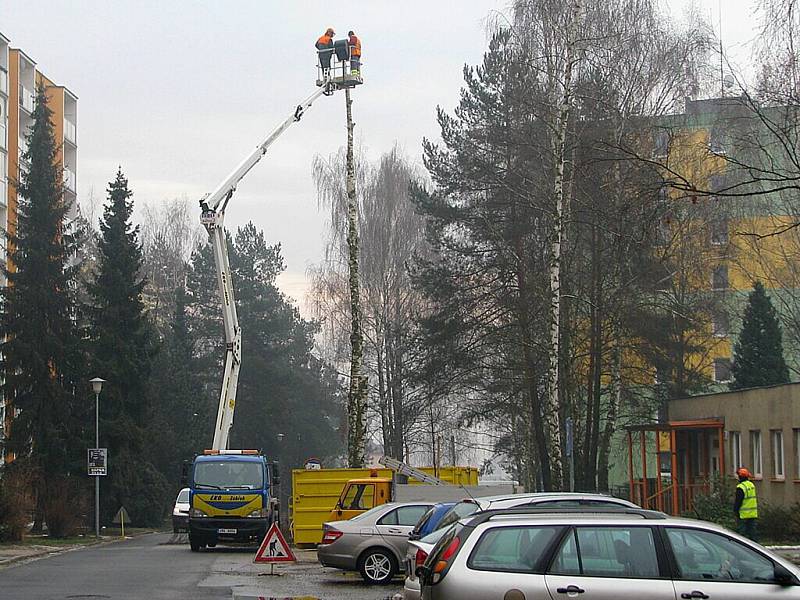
356	397
552	409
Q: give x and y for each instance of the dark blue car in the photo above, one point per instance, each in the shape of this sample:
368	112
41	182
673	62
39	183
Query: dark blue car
430	520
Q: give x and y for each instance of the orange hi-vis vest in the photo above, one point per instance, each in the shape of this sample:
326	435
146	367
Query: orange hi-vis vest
355	46
324	41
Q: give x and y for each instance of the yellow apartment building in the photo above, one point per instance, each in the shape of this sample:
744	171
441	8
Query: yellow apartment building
19	78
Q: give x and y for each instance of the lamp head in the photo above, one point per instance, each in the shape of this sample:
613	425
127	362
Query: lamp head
97	384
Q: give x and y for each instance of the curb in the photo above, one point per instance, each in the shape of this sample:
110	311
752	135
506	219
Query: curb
62	550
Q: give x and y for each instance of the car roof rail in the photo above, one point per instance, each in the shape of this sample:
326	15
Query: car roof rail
482	517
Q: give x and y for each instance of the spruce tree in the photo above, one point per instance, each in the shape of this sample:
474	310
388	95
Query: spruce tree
40	352
758	353
122	354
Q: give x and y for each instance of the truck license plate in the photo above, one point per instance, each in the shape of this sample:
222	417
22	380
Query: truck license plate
226	531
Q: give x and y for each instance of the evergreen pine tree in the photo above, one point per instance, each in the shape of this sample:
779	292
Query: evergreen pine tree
758	353
122	354
41	349
180	408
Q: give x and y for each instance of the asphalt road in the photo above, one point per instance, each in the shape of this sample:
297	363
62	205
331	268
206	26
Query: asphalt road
161	567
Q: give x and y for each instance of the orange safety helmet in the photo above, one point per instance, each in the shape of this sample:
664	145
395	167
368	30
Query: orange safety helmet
742	472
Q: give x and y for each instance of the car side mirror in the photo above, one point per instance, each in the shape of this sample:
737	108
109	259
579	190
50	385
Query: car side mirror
783	576
414	536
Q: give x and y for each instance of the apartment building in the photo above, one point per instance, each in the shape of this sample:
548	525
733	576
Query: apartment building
725	242
19	79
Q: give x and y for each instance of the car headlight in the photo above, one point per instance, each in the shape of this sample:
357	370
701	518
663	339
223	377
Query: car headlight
176	512
196	512
261	512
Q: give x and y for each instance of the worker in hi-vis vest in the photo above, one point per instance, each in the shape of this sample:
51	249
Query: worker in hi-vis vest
745	505
355	53
324	47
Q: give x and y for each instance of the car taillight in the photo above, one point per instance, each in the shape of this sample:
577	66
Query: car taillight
419	559
331	535
444	560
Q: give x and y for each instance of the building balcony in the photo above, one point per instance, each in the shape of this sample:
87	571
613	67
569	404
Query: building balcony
70	132
3	143
3	81
3	199
27	99
70	180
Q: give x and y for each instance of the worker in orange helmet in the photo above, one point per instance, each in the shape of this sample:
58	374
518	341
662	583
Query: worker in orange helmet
355	53
325	50
745	505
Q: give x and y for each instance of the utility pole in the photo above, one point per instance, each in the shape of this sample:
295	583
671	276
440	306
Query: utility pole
356	398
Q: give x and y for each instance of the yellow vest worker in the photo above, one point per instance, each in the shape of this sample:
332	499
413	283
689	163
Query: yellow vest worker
745	505
355	53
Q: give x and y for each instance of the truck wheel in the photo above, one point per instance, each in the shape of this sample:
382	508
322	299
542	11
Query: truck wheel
377	566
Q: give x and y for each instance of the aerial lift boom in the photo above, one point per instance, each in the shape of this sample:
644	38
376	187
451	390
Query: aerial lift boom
213	215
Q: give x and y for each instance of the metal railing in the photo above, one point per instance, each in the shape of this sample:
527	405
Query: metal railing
70	131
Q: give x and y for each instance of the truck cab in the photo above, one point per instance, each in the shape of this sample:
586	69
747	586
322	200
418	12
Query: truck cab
232	497
359	495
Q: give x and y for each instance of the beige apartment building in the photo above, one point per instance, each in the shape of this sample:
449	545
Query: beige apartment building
19	78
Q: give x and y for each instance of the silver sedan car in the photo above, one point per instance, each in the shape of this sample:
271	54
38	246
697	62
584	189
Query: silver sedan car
372	543
418	551
620	555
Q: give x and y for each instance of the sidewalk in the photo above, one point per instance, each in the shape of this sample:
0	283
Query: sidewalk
12	553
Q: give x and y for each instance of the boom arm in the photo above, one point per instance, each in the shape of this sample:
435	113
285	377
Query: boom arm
213	215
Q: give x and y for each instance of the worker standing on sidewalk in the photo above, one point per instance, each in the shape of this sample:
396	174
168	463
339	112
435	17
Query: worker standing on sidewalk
325	50
745	505
355	53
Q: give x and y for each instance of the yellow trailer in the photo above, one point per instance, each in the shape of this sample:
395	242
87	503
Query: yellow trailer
315	493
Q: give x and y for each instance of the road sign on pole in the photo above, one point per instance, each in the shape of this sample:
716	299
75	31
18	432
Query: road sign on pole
97	462
274	548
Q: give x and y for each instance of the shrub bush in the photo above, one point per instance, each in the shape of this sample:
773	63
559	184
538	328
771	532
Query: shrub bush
716	505
16	502
65	504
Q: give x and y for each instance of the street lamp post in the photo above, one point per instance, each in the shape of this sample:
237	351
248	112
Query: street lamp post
97	385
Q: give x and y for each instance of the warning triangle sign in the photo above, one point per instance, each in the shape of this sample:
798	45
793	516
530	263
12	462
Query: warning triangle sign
274	548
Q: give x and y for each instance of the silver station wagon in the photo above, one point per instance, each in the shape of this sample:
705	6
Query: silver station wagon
603	555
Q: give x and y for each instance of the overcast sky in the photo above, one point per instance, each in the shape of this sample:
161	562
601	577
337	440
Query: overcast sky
178	92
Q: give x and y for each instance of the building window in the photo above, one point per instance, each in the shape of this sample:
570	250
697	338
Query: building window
719	278
736	449
777	454
796	453
755	453
722	370
716	183
718	232
664	232
661	143
720	324
716	140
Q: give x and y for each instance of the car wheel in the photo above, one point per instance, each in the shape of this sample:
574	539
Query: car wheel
194	545
377	566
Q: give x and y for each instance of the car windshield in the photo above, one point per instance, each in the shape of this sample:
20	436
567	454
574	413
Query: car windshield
228	474
183	497
435	536
463	509
425	518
